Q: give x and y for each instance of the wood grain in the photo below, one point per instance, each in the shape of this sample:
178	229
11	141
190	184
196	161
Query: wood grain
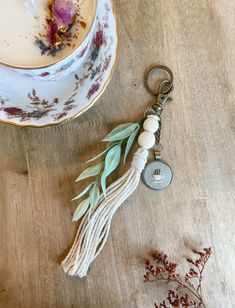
196	39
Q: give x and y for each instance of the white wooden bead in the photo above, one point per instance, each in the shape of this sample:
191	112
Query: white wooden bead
154	116
151	124
146	140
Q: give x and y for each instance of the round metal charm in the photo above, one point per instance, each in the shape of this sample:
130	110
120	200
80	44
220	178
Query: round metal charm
157	175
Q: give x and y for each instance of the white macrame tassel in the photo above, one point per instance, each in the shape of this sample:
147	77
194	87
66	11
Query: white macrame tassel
94	228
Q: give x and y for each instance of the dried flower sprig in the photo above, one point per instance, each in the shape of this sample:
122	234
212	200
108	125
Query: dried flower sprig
159	268
122	136
62	16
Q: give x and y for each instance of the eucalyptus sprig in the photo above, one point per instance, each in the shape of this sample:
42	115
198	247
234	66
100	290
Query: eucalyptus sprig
122	137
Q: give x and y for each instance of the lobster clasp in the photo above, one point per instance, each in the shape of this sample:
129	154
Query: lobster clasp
164	91
162	99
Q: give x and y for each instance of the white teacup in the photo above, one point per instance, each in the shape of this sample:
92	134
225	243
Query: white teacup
22	21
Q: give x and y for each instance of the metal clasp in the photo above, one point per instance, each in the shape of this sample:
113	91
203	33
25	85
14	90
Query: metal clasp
164	91
162	99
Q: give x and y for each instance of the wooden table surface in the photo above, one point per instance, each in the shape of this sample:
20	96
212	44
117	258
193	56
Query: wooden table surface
196	39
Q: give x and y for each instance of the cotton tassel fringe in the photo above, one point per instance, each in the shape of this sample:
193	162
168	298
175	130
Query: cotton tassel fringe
94	228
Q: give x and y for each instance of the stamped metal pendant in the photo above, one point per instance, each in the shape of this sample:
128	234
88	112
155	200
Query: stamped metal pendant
157	175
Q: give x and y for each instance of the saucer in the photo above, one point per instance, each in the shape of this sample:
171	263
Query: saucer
28	102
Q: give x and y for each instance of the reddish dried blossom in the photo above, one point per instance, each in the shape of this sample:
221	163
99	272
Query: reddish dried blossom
159	268
64	12
191	274
51	35
60	21
161	305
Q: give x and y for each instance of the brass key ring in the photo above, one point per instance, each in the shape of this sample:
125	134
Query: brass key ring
162	83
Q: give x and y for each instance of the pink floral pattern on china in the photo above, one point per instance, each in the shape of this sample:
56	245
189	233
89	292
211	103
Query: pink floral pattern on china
40	109
63	12
65	69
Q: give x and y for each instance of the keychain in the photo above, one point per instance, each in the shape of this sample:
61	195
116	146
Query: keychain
158	174
98	208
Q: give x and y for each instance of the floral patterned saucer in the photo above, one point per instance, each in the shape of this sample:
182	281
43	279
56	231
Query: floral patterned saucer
36	103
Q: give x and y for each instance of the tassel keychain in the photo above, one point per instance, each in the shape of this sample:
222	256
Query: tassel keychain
98	208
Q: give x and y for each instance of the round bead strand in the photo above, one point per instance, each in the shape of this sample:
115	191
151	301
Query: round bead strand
147	138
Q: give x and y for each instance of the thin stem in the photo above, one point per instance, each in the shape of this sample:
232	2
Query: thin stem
189	289
192	286
183	286
195	289
156	279
200	277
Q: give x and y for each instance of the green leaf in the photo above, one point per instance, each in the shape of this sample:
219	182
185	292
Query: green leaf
101	154
121	132
112	160
81	209
103	183
94	195
83	192
130	141
91	171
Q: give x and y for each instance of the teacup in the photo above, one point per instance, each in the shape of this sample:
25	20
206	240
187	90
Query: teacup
24	44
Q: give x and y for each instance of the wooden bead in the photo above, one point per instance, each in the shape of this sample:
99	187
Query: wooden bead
154	116
151	124
146	140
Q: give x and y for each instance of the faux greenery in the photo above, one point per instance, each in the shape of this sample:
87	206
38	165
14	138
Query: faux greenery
119	139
